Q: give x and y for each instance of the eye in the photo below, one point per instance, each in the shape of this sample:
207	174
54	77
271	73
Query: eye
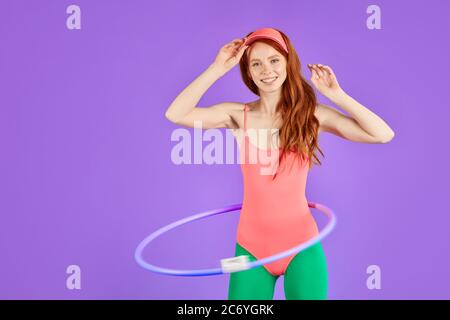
256	63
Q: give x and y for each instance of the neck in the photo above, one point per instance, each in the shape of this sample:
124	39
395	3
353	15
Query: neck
268	102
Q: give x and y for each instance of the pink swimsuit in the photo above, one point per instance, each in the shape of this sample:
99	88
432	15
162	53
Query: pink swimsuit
275	215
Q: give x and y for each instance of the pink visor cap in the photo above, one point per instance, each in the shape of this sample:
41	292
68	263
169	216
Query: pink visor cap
266	33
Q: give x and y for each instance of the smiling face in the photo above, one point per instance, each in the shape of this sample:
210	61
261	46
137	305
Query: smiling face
267	67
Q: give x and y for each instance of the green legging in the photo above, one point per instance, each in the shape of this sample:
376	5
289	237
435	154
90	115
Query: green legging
306	278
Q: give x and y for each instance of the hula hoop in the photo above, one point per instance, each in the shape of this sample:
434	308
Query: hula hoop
216	271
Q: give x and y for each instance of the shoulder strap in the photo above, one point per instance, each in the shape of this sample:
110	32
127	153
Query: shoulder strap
245	118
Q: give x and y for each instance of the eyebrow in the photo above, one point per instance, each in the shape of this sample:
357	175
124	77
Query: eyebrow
275	55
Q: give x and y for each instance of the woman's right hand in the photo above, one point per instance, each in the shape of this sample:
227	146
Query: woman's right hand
230	55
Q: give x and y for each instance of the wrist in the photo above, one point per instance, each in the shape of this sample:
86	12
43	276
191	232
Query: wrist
338	96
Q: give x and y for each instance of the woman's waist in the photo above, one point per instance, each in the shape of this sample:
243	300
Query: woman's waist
302	223
276	201
277	216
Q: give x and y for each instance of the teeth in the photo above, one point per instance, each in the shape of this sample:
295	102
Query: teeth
269	81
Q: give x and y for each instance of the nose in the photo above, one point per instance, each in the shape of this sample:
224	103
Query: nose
266	69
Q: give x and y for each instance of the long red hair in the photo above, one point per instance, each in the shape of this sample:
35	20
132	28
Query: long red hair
297	105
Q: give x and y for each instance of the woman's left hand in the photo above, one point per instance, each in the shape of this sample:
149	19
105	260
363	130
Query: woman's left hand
324	80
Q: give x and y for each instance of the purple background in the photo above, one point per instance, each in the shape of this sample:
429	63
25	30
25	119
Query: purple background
85	165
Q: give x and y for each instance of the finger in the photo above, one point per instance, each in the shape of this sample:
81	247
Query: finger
320	71
314	74
321	66
326	77
241	52
227	46
240	43
312	68
321	78
325	71
236	42
236	47
237	50
330	71
325	74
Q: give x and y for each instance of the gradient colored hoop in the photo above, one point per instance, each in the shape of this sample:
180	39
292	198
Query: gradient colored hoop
215	271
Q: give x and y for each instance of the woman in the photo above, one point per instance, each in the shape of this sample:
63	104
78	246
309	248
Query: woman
275	215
